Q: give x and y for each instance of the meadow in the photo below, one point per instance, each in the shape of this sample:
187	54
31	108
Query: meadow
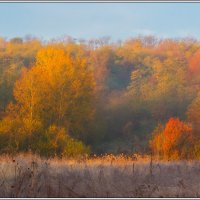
28	175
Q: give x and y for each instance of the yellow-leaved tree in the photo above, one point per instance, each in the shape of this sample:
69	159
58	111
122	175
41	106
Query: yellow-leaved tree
58	91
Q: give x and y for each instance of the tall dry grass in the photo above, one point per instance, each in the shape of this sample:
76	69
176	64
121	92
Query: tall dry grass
28	175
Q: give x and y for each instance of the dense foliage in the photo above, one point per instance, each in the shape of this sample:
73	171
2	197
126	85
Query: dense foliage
60	97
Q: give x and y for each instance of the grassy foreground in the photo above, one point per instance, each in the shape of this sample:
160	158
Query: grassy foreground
28	175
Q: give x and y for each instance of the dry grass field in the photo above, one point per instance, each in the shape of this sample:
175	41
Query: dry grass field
27	175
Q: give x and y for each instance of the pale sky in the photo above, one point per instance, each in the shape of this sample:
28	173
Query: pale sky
94	20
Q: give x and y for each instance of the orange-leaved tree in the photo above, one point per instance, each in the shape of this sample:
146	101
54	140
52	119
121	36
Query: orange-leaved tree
173	141
194	66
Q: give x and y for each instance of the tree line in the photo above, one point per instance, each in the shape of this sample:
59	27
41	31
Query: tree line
66	97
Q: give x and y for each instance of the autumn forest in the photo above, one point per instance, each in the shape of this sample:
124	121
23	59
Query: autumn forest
68	97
